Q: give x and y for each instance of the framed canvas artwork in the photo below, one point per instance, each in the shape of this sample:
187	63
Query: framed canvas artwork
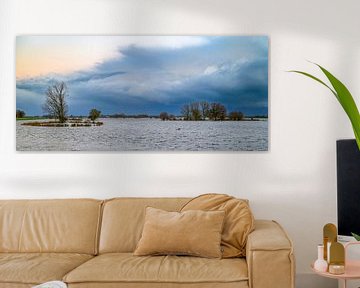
142	93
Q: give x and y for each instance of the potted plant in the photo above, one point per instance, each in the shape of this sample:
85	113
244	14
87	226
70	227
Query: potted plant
345	99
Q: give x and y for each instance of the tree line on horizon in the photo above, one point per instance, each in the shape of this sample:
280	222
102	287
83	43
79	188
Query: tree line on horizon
56	107
200	111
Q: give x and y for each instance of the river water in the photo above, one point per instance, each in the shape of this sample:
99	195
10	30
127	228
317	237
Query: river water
146	135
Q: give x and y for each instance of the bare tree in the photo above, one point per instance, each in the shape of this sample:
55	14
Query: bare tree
236	116
20	114
55	104
217	112
164	116
205	107
195	111
94	114
186	111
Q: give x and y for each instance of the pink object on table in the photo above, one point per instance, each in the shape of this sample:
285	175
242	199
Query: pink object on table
352	268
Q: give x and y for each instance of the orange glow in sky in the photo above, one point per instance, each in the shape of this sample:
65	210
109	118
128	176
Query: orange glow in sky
42	55
39	55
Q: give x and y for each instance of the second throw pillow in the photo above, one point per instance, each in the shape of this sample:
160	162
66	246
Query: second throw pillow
193	232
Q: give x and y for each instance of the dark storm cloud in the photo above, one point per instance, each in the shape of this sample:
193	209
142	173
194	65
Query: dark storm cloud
230	70
85	77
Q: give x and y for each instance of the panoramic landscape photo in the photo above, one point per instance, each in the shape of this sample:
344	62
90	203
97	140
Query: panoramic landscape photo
142	93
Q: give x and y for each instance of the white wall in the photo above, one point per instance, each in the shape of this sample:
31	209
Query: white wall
294	183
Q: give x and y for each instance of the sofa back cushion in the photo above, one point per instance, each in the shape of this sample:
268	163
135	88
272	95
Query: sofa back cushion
66	226
238	224
123	220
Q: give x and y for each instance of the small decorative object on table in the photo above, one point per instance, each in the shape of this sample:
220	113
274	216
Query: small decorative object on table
333	251
337	259
329	237
320	264
340	267
52	284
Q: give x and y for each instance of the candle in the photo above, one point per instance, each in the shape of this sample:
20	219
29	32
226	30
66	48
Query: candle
336	269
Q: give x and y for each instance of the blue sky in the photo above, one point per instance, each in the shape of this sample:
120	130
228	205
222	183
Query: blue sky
144	74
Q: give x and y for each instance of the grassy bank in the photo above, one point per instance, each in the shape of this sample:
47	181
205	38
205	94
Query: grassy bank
65	124
30	118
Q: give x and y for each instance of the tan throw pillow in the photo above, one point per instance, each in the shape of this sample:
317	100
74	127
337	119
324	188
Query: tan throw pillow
239	220
196	233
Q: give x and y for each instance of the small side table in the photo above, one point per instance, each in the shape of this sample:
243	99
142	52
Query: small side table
352	269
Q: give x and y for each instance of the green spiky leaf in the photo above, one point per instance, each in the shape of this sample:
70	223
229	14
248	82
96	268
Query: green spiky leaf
316	79
356	236
344	97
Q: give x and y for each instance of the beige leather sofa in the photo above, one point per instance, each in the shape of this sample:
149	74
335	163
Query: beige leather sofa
89	243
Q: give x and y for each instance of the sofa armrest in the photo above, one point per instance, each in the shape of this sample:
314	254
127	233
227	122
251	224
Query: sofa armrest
269	256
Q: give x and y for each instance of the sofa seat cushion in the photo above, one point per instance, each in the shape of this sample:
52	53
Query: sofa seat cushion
36	268
127	268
